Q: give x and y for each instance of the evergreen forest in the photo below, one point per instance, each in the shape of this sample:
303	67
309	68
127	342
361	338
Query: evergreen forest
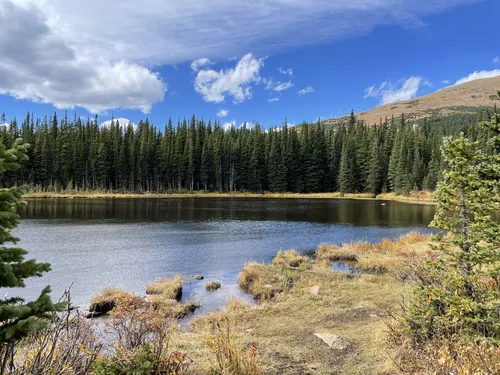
397	155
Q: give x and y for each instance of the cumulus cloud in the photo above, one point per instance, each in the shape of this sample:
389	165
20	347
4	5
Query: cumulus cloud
38	64
223	112
122	122
496	60
228	125
388	92
232	124
479	75
200	63
236	82
96	53
306	90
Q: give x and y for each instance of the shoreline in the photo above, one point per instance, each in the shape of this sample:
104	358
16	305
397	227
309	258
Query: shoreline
414	198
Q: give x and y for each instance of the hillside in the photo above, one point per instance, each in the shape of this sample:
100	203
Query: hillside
466	97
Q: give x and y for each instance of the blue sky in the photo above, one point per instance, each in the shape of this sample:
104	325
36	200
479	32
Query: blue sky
235	60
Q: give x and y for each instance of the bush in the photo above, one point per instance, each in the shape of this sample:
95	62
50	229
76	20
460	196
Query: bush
142	343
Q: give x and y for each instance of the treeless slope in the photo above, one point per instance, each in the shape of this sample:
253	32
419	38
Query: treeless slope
466	97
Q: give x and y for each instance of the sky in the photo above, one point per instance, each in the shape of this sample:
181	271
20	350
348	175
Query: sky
237	61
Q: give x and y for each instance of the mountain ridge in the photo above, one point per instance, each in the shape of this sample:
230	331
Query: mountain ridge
466	97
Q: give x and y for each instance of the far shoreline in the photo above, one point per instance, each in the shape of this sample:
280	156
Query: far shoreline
423	197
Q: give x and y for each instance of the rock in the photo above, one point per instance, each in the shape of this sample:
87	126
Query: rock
314	290
198	277
333	341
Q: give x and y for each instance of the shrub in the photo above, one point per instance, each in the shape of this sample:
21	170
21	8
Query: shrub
142	343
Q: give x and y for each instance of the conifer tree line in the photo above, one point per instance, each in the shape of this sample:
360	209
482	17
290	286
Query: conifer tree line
396	155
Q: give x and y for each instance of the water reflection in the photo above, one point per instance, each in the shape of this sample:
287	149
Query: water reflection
354	212
129	243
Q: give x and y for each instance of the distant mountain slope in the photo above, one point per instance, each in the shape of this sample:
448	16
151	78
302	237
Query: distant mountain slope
466	97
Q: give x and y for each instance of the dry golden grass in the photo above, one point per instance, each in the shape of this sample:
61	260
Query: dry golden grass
385	256
420	197
473	94
167	288
108	299
282	329
291	259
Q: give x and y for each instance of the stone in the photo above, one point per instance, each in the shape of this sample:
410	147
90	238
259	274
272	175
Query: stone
333	341
314	290
198	277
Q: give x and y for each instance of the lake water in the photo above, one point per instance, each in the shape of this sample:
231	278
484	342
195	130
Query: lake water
129	243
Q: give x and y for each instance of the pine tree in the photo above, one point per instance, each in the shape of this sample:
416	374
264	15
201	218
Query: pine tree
460	294
17	318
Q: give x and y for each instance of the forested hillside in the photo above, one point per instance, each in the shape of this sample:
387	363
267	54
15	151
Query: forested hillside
397	155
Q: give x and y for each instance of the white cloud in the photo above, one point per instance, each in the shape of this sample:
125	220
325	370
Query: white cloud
278	86
288	72
228	125
271	100
123	122
223	112
388	92
232	124
306	90
445	82
38	64
282	86
496	60
159	31
201	63
95	54
479	75
236	82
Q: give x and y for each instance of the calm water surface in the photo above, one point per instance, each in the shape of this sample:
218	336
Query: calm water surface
129	243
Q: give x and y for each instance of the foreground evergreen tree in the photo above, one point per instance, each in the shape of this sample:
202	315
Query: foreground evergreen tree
454	318
457	297
17	318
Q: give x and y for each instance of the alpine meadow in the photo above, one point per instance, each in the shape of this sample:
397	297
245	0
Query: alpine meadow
235	188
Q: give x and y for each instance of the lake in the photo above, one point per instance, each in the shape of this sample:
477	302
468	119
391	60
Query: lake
129	243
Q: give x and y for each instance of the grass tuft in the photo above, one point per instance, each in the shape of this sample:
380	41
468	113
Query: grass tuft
213	286
291	259
167	288
108	299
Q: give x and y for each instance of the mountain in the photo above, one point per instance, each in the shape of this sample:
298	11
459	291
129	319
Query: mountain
466	97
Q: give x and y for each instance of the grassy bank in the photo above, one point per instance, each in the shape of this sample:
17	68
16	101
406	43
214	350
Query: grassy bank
414	197
311	320
301	297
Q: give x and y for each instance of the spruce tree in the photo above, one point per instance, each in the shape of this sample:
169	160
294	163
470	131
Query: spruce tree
17	318
460	293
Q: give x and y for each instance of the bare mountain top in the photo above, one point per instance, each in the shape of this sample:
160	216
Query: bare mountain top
466	97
